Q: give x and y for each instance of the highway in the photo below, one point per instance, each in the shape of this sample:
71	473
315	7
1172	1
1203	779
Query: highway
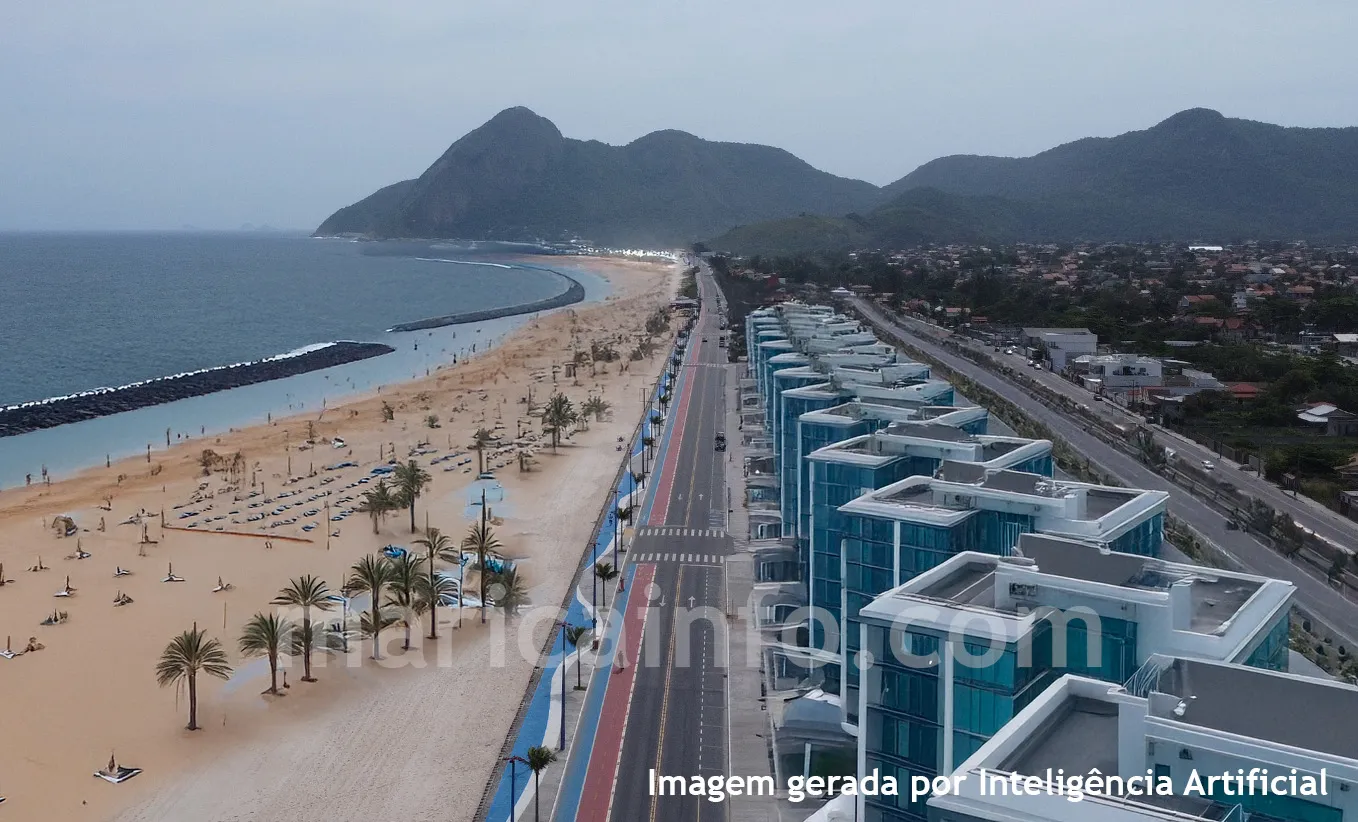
1325	522
1314	594
673	713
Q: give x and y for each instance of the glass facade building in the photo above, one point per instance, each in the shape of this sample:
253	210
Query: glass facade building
998	633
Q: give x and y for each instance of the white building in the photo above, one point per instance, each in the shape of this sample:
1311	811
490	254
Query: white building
1177	724
1062	344
1118	372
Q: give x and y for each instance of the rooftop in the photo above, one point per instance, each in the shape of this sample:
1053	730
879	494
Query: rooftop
984	581
1227	698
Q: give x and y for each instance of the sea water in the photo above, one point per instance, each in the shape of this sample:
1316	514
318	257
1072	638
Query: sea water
90	310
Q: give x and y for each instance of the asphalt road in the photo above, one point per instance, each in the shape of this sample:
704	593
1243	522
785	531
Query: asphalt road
1314	594
677	720
1313	515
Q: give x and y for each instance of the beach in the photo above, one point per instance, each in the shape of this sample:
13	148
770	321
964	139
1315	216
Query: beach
413	737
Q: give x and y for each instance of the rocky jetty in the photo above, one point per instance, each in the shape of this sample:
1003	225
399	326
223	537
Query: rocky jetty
32	416
570	296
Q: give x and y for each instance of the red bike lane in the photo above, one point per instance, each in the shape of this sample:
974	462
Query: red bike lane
597	796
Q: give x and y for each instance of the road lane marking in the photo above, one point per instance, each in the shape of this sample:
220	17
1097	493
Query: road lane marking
665	698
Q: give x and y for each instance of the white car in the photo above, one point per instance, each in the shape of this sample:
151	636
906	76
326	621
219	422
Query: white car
1208	465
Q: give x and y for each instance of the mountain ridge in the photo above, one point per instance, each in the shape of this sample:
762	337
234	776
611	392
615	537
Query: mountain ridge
1195	175
516	177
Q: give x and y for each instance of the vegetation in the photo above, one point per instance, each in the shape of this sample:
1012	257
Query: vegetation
405	592
596	407
539	757
267	635
378	502
188	655
575	634
440	546
371	575
480	442
557	415
481	539
307	593
509	591
411	480
606	573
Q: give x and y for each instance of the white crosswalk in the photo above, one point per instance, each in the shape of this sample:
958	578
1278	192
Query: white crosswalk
664	531
694	559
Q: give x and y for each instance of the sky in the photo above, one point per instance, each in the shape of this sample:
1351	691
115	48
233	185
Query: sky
143	114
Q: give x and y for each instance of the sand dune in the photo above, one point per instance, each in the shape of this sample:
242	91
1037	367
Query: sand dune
367	741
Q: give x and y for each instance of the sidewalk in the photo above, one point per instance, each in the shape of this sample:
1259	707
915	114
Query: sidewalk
750	747
540	722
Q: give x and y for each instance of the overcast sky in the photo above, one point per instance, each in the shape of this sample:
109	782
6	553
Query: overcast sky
141	114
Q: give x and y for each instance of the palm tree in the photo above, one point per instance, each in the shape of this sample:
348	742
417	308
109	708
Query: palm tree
638	478
267	635
481	539
306	592
411	479
557	414
371	575
574	634
511	593
378	502
605	572
539	757
596	406
404	591
317	637
436	545
480	440
187	655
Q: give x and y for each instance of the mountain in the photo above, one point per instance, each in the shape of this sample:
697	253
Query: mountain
1196	175
518	178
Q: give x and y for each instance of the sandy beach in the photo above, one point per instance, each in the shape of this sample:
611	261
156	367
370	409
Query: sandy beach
411	738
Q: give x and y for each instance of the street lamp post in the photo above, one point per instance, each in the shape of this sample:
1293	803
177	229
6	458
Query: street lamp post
563	625
513	779
593	588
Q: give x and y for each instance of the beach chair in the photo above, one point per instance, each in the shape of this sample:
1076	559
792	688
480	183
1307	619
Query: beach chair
116	774
8	652
120	571
66	591
38	567
222	586
170	575
3	581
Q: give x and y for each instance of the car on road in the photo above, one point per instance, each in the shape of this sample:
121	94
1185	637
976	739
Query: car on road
1208	465
720	442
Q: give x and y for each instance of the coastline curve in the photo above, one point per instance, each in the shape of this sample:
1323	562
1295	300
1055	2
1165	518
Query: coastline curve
574	293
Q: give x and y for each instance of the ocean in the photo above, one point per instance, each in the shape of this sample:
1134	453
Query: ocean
85	311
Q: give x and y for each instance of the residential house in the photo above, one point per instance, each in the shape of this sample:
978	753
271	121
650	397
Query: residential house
1336	421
